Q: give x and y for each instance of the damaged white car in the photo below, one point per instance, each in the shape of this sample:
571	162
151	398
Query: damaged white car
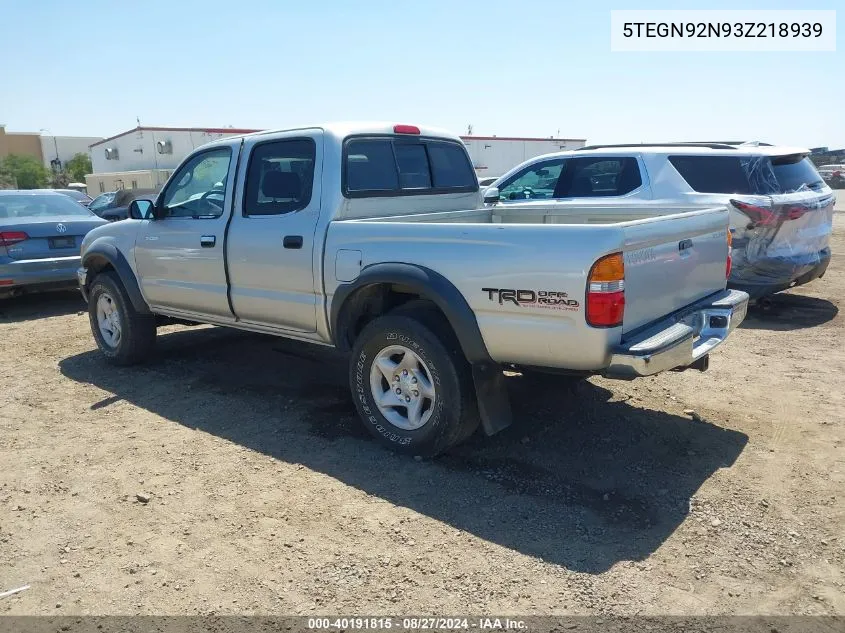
781	208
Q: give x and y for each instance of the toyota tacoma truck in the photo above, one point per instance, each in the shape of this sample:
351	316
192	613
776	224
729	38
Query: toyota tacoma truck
373	238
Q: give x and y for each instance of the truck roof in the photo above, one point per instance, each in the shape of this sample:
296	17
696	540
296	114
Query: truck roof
342	129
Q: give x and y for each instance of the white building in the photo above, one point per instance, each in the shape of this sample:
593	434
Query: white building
135	179
492	156
146	156
64	147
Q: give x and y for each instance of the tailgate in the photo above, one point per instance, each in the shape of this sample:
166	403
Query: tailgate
671	262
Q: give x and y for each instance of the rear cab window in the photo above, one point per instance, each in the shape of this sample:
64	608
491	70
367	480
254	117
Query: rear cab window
401	166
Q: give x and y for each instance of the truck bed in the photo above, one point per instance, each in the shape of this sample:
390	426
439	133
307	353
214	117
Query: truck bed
671	261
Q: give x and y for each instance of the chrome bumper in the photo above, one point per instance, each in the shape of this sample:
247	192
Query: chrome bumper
682	340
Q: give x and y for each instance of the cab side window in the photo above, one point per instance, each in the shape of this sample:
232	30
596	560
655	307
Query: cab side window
280	177
535	182
198	190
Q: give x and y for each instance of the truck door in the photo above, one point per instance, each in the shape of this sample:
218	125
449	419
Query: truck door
180	256
270	247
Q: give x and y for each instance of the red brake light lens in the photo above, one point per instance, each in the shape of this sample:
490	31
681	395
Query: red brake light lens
760	216
729	263
606	309
794	212
7	238
406	129
606	292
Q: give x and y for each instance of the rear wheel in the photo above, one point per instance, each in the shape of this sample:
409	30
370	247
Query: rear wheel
411	387
123	335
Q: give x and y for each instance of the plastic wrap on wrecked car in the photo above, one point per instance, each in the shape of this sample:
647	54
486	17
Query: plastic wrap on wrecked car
788	234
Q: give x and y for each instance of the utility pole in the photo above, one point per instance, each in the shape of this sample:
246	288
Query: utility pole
56	163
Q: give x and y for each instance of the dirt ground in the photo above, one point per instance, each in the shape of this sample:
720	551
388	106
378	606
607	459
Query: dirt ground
265	496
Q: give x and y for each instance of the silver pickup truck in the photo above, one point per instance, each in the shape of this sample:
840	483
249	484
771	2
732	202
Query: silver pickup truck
373	238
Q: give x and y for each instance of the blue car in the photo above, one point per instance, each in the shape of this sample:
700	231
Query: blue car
40	236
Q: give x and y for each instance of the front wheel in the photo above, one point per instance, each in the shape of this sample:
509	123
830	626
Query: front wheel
124	335
412	393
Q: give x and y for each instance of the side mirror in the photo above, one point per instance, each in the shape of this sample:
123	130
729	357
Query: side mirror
491	195
141	209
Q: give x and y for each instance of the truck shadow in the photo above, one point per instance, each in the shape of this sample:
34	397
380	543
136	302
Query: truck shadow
580	480
786	311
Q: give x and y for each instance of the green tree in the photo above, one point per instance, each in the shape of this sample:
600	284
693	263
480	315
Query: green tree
26	170
7	180
59	179
78	167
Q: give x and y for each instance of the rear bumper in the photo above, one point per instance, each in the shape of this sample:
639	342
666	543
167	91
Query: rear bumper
680	340
784	275
33	272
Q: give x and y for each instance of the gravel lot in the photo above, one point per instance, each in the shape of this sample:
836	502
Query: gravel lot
261	495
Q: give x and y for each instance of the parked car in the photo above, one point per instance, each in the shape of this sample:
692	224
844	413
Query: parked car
82	198
781	209
40	236
114	205
372	238
78	186
833	175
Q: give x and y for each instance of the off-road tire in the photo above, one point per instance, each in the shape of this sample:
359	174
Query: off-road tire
138	331
417	327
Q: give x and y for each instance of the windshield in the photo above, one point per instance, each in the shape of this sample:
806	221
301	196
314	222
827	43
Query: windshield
102	201
35	205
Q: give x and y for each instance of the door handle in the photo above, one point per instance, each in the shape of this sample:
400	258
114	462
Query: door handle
208	241
292	241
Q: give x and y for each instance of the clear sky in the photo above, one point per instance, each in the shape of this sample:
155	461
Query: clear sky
530	68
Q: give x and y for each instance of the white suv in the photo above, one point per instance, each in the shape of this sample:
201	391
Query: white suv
781	209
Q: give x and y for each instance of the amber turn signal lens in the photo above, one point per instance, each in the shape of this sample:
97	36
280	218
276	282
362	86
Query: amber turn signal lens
608	268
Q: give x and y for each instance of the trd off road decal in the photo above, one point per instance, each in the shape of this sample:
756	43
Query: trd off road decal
532	298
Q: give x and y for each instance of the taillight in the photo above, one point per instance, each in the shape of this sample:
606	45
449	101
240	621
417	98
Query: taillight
760	216
794	212
406	129
7	238
836	174
729	265
606	292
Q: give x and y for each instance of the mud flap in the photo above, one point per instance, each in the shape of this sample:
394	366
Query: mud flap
491	392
